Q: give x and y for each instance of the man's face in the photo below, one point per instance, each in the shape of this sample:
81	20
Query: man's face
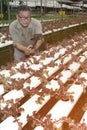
24	18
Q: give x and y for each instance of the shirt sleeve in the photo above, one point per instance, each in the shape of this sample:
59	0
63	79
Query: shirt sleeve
38	31
38	28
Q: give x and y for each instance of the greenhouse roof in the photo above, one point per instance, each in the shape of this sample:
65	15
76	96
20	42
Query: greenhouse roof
53	3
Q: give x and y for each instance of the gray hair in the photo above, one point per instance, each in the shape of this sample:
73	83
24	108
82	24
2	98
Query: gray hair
23	8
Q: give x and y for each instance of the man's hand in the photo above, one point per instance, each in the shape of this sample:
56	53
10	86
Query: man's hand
29	50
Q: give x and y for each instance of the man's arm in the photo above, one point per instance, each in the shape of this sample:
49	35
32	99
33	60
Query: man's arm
38	44
24	49
20	47
36	47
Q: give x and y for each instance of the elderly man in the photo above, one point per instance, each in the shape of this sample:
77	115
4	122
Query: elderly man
26	33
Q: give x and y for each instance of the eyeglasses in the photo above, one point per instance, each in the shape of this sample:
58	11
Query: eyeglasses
23	18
